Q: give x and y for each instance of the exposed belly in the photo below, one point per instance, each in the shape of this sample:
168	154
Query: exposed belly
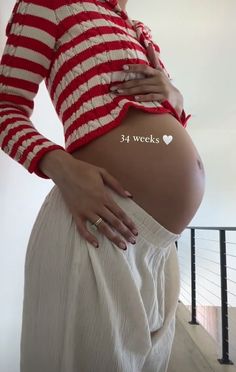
166	180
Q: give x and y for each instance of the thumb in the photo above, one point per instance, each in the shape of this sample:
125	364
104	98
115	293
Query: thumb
153	56
114	183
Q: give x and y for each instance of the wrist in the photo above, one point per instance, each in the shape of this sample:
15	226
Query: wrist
55	163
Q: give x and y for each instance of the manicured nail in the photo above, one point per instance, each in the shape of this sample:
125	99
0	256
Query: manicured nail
128	194
132	240
122	245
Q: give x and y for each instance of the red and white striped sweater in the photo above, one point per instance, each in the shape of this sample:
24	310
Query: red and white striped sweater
78	48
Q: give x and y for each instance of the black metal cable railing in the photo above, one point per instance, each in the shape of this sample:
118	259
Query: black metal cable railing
208	284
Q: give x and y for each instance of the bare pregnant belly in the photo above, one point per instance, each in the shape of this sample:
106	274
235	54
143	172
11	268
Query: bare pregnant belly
166	179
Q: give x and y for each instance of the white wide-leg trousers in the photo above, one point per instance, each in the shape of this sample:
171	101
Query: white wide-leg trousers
98	310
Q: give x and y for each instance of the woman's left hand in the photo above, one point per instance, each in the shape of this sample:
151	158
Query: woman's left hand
155	87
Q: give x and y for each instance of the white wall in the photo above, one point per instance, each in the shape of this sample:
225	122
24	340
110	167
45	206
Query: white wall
197	44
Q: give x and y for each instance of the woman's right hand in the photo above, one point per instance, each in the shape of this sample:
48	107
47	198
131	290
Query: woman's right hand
84	192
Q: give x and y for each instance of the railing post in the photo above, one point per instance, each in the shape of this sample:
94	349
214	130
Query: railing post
193	278
176	245
224	302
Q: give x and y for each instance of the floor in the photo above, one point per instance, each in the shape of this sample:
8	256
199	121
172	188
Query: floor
193	349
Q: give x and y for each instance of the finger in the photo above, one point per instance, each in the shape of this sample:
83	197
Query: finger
116	223
104	228
81	226
153	56
113	183
140	89
143	68
120	214
149	97
138	82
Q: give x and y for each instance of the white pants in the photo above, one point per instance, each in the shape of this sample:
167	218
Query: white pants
98	310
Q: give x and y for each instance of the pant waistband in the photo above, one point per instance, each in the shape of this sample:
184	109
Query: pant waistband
149	228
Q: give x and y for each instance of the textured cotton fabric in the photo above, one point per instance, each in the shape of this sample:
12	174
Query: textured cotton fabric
78	48
105	309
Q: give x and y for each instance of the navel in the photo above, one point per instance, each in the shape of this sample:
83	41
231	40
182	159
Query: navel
200	164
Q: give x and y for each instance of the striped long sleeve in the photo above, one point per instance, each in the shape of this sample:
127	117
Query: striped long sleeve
31	36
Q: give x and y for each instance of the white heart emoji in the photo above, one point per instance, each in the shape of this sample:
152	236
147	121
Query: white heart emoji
167	139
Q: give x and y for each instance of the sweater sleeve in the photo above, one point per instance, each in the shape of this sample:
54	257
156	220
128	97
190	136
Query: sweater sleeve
31	36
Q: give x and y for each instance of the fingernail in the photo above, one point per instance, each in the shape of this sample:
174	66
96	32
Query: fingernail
132	240
125	67
134	231
122	245
95	244
128	194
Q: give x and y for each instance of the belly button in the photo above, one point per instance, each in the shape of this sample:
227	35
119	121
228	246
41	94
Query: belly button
200	164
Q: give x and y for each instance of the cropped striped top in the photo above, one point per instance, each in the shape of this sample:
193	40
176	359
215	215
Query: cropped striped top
78	48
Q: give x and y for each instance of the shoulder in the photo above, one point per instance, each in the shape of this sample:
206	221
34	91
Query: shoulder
24	4
50	4
26	8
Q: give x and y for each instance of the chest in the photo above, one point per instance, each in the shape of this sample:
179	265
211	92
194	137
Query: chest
93	33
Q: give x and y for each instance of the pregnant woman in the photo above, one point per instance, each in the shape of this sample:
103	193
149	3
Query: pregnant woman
109	309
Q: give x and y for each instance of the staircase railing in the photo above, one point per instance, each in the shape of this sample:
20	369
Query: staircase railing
223	256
